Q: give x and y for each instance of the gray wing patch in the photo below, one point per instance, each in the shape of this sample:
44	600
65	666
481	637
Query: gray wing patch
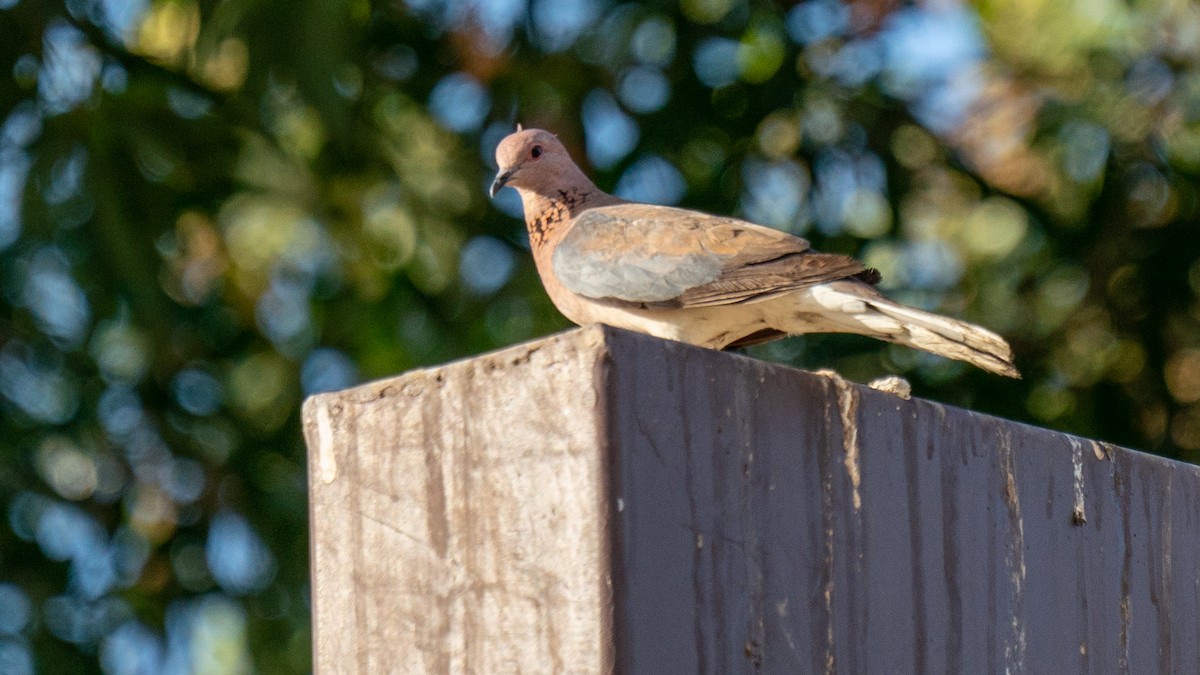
607	257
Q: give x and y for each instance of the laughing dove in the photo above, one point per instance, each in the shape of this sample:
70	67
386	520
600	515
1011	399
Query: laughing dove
706	280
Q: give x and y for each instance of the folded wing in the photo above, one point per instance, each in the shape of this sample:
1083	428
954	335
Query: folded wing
658	256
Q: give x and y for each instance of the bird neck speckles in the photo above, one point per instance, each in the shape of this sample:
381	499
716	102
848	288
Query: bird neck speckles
544	213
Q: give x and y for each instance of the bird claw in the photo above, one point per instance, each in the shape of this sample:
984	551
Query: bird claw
892	384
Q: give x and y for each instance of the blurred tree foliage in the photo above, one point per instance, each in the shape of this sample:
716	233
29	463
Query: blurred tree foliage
209	209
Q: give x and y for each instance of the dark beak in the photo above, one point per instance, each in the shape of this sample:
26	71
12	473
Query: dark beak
501	179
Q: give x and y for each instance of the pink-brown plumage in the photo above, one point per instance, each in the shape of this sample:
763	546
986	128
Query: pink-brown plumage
707	280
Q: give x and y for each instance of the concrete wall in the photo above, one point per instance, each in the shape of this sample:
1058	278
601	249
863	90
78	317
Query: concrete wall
601	501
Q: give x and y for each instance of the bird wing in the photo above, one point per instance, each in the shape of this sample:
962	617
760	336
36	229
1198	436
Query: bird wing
658	256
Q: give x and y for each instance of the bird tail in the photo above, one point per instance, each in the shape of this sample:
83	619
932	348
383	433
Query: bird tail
865	311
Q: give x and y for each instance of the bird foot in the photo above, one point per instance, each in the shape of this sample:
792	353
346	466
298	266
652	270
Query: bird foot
892	384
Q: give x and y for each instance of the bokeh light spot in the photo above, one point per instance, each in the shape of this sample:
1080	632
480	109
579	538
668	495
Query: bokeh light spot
761	53
706	11
558	23
867	214
152	512
823	122
815	20
390	226
701	160
644	90
15	658
70	70
197	392
131	649
994	228
1182	373
931	265
1050	401
228	64
509	320
398	63
327	370
14	170
54	298
37	384
459	102
913	147
715	61
15	610
653	42
168	30
778	135
486	264
216	632
121	351
610	134
1085	150
259	387
188	104
66	468
237	557
1185	428
653	180
776	194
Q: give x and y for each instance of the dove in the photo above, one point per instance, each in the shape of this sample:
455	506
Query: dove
702	279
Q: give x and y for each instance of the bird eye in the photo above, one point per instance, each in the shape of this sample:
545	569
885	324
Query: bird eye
536	152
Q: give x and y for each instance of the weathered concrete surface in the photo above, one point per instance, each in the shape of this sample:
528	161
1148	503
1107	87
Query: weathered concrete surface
457	517
603	501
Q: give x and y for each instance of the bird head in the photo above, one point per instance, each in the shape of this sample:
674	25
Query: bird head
531	159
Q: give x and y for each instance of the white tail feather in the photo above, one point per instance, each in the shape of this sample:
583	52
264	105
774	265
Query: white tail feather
858	308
